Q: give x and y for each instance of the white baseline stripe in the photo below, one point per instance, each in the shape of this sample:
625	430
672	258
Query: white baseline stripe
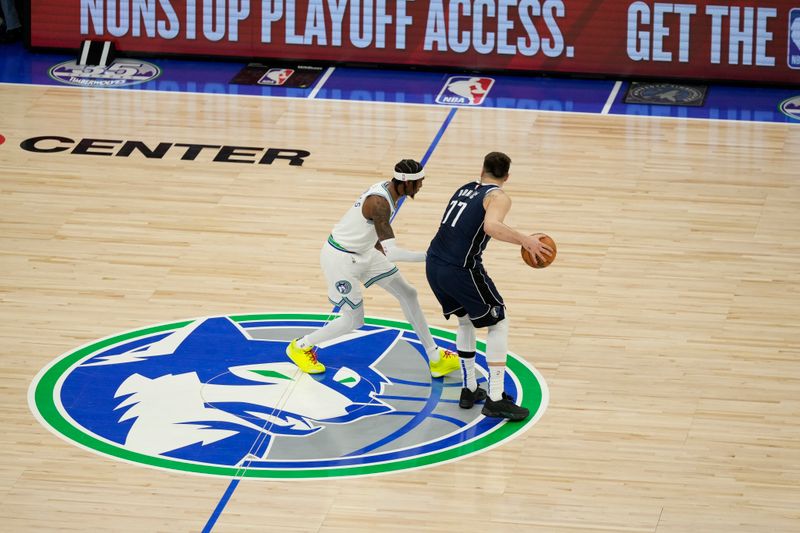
611	98
325	77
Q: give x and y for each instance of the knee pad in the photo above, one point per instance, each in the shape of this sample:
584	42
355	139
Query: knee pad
465	336
497	342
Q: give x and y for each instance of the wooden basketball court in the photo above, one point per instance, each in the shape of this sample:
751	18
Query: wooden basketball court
666	330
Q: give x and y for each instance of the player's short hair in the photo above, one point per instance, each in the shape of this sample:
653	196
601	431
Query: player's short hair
408	170
497	164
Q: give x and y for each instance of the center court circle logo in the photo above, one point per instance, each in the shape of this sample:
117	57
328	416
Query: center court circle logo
118	74
218	396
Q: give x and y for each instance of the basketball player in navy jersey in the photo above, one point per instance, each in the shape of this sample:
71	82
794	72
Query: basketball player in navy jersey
361	250
456	275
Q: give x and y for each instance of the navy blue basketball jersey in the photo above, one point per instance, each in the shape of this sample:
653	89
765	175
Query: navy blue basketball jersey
461	239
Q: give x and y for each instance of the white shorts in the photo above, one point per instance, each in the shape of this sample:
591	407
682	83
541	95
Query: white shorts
347	272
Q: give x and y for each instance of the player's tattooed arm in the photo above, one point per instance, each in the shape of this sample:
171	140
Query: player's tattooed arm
377	209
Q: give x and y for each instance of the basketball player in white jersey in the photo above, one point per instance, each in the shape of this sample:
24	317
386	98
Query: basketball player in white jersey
361	250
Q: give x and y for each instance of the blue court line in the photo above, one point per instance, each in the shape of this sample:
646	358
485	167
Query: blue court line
212	520
431	148
221	505
417	418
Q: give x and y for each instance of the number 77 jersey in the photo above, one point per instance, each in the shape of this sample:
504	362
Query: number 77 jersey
461	239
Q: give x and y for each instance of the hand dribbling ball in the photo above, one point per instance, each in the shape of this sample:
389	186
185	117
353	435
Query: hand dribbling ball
531	261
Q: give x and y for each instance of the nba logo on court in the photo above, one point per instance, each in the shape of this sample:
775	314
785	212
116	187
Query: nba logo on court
276	76
464	90
794	38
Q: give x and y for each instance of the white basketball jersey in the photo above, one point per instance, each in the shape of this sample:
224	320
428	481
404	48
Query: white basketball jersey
355	233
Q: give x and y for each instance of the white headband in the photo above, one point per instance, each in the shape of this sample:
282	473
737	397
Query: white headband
402	176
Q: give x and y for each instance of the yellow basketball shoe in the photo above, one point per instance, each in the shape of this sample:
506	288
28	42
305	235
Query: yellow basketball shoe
448	361
306	359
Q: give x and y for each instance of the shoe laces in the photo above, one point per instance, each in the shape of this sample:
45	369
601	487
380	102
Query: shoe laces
311	353
448	354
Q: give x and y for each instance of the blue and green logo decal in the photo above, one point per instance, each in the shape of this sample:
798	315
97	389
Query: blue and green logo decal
218	396
791	106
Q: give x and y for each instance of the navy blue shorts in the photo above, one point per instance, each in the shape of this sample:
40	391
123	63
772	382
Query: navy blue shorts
465	292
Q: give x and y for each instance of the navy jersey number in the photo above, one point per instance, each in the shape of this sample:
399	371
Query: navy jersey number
453	205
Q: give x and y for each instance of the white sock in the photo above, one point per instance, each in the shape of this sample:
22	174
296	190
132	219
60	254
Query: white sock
496	375
465	344
496	349
468	373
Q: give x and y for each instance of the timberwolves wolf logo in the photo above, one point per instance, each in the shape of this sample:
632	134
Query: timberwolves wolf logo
464	90
343	286
218	396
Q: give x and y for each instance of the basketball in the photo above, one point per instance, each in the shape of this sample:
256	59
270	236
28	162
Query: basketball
531	261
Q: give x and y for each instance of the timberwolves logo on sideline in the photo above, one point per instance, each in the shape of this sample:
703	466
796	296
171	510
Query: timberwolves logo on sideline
118	74
218	396
791	107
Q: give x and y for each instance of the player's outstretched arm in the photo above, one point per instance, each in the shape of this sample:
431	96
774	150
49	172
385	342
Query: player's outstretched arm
377	209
